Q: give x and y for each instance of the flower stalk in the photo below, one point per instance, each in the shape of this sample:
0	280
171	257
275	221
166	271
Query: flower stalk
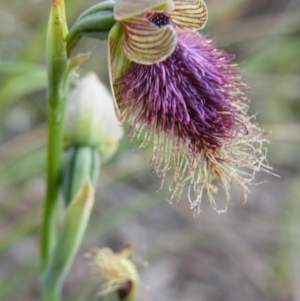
56	98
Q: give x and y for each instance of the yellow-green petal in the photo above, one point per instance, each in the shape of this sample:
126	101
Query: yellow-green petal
189	14
145	43
125	9
117	61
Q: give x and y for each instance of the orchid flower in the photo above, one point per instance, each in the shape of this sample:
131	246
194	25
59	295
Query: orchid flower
174	87
117	271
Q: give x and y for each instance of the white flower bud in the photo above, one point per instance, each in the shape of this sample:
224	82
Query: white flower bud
90	116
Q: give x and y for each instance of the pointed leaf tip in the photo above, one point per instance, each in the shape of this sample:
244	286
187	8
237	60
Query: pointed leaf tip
86	194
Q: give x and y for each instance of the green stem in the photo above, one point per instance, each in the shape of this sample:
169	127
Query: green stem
56	97
54	152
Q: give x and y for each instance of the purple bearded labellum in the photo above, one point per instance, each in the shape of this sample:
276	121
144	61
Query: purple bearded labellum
192	104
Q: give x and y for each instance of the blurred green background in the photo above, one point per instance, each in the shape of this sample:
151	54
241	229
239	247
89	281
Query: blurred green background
250	253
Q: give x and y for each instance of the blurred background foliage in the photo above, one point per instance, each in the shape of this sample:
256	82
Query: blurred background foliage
249	253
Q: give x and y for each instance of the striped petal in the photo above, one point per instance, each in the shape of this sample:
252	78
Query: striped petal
189	14
118	62
145	43
125	9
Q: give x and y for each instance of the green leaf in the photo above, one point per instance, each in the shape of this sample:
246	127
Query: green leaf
68	243
23	78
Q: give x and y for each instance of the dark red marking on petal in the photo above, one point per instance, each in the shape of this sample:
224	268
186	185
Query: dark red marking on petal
159	19
125	290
